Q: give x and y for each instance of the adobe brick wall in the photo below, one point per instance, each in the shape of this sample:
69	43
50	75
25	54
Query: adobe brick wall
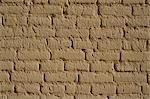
74	49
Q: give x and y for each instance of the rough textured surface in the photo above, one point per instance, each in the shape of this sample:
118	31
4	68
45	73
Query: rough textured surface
74	49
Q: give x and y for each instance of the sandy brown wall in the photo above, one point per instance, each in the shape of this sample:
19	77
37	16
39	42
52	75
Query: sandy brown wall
74	49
